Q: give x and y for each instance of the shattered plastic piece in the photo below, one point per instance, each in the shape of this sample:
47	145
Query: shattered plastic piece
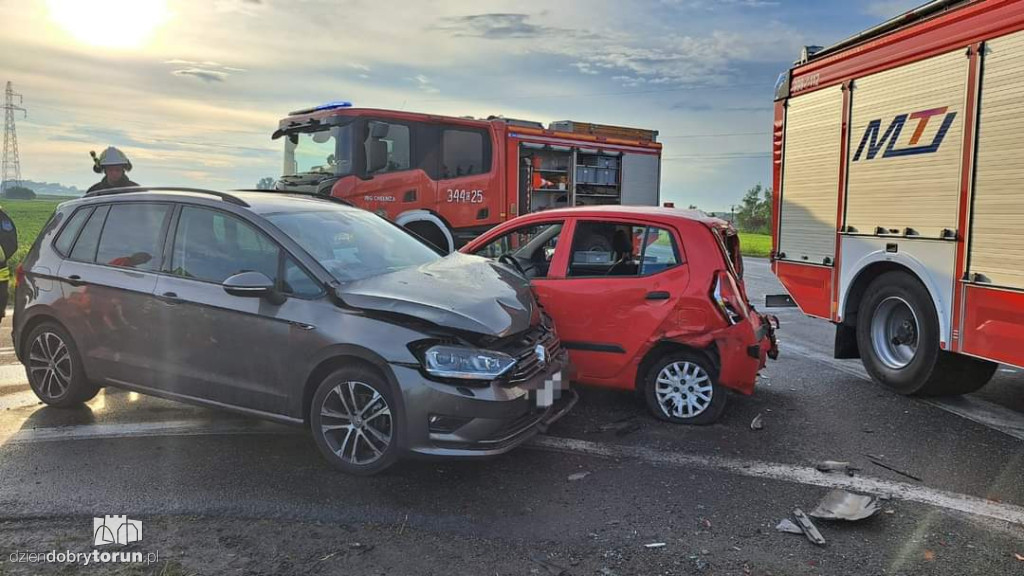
808	527
578	476
757	423
843	505
836	466
786	525
654	545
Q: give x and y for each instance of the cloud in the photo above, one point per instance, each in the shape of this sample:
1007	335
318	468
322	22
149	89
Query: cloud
202	74
206	70
498	26
424	84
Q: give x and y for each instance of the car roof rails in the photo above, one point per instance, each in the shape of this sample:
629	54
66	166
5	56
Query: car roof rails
308	193
129	189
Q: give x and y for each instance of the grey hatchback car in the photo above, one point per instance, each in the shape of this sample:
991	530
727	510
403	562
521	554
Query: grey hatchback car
292	308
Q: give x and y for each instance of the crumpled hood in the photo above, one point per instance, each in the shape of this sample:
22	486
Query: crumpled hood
458	291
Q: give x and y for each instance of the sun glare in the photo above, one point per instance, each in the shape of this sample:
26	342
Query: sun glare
119	24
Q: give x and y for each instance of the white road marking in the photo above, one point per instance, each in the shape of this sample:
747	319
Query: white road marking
795	474
145	429
983	412
751	468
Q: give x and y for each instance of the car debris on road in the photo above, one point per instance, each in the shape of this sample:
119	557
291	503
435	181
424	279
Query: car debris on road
808	527
843	505
876	461
836	466
757	423
787	525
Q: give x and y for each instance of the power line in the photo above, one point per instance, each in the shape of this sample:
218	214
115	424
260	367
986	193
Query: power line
11	172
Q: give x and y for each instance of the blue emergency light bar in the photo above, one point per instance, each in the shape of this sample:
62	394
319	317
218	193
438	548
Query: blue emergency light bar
328	106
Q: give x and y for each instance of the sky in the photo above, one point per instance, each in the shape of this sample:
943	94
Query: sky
192	90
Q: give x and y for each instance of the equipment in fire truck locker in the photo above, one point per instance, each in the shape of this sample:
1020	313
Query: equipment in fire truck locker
548	177
597	178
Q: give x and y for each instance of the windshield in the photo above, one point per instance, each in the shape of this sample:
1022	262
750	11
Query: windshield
327	151
352	244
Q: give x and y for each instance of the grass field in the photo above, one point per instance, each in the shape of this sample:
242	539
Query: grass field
29	217
755	244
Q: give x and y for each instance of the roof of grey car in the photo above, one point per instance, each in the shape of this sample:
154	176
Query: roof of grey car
260	202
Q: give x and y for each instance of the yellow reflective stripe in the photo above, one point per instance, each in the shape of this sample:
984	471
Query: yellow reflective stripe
5	274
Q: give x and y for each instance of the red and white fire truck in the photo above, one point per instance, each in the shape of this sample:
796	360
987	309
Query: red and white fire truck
899	193
449	179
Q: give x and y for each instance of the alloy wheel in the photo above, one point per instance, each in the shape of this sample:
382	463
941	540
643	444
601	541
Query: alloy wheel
355	421
683	390
49	361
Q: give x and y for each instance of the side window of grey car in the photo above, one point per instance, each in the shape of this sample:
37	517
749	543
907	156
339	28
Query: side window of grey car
84	248
211	246
67	236
133	236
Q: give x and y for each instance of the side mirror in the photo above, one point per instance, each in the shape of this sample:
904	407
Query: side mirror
249	284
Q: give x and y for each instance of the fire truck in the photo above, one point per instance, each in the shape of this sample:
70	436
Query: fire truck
899	193
448	179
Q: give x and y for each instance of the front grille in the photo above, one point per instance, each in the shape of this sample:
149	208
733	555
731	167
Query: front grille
523	349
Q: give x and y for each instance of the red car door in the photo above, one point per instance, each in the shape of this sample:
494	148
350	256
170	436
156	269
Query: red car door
611	293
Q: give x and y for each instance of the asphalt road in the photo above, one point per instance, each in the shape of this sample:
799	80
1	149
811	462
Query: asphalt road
221	494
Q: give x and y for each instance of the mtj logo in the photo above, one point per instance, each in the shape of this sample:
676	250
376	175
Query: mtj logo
874	144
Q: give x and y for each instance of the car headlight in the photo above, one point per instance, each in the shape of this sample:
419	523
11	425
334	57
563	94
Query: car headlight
466	363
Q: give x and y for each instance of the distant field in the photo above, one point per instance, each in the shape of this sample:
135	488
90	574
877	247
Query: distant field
29	217
755	244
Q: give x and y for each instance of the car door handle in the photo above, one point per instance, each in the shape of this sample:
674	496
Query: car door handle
170	298
75	280
657	295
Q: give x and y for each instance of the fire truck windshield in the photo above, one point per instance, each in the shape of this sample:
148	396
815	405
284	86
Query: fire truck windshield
327	152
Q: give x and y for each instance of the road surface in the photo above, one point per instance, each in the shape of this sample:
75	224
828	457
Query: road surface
223	494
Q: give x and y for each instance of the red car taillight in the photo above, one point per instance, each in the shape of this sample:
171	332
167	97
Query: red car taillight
727	297
19	275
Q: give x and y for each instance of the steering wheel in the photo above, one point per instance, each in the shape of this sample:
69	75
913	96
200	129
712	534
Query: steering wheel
511	261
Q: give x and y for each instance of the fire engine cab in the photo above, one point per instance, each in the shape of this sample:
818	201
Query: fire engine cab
449	179
899	207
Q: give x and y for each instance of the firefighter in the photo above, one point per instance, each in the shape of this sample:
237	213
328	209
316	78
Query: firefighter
115	167
8	246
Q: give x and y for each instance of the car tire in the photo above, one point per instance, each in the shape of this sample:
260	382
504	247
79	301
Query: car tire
355	421
596	243
683	388
54	368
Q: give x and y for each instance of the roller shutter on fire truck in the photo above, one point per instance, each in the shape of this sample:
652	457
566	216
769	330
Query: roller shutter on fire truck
997	235
907	135
810	181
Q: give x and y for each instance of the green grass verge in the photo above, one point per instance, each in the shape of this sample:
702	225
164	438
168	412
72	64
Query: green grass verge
755	244
29	217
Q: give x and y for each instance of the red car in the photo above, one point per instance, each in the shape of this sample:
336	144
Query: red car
647	299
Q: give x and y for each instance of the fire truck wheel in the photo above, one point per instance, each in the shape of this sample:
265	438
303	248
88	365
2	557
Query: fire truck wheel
898	334
431	233
683	388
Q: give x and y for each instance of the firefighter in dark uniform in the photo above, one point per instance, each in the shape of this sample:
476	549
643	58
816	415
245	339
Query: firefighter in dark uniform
8	246
115	167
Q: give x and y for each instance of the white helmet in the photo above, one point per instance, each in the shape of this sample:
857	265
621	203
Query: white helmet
111	157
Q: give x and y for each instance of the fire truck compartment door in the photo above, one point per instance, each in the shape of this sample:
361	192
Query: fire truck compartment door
810	176
906	136
641	179
997	233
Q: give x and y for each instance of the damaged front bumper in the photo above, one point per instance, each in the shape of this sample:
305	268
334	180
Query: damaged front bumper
450	421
